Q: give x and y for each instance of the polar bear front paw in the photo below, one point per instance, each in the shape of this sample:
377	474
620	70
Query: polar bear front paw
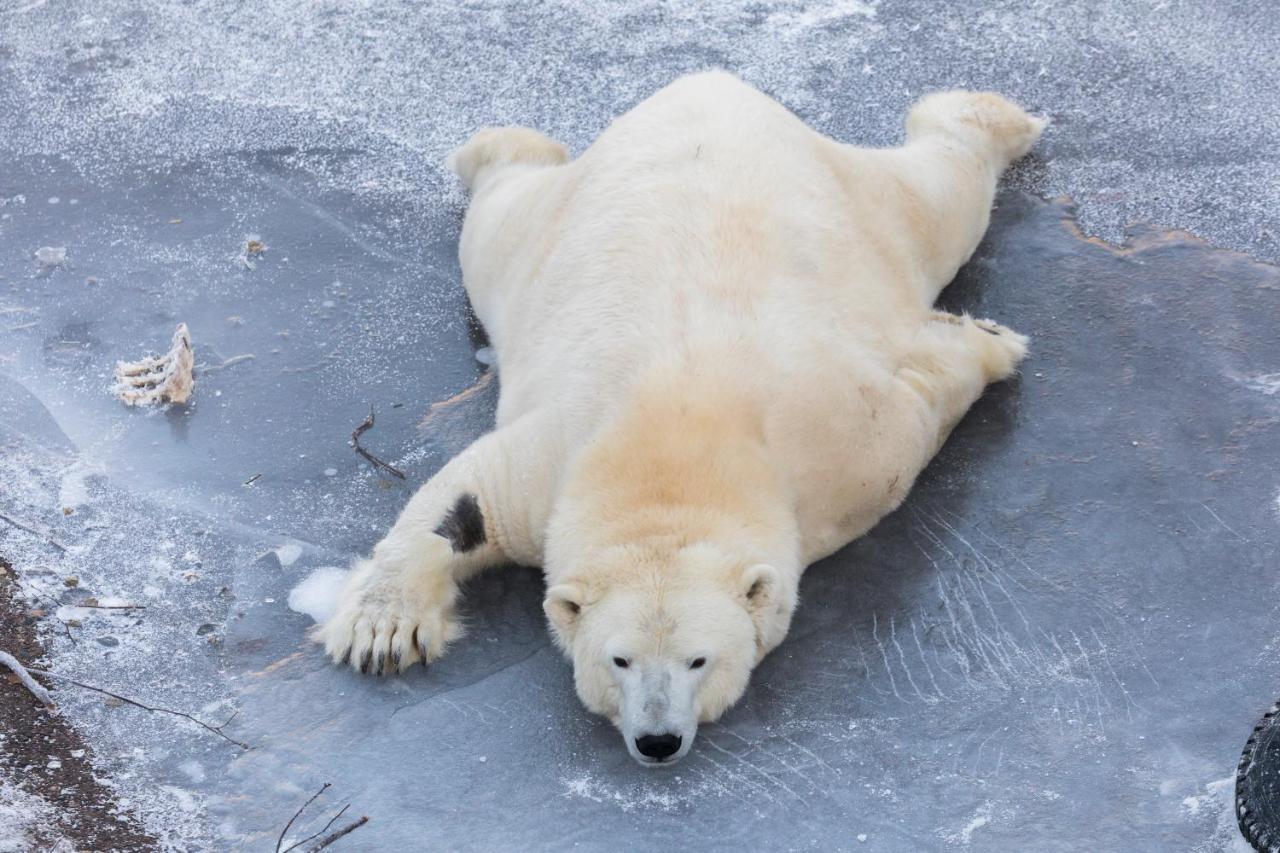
390	617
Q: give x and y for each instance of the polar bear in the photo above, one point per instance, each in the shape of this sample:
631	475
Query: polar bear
719	362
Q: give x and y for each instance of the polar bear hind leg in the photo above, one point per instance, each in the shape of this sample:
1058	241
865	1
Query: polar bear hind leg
490	150
952	359
979	119
958	143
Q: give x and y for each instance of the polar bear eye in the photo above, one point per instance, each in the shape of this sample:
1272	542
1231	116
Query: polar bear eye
621	663
698	663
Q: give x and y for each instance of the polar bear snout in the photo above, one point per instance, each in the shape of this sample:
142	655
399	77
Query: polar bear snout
658	716
659	747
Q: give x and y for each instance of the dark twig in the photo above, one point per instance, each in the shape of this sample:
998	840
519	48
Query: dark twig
298	813
365	426
217	730
35	532
332	837
323	830
253	479
110	606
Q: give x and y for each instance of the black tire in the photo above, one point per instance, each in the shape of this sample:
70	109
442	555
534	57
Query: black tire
1258	785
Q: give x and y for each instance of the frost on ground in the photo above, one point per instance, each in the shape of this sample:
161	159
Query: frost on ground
589	788
288	553
981	817
385	79
27	821
1217	804
119	609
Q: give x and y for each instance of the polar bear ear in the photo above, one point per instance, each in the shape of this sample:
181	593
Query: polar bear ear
563	606
760	586
767	603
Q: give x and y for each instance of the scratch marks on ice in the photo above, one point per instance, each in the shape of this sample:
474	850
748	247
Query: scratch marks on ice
979	640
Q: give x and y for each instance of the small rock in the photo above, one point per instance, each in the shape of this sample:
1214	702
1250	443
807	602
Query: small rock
108	641
71	581
113	702
255	247
90	602
67	510
74	623
206	628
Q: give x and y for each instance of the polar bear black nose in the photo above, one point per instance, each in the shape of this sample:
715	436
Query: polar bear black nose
659	746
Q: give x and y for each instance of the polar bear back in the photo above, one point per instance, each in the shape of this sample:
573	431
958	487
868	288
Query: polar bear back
707	213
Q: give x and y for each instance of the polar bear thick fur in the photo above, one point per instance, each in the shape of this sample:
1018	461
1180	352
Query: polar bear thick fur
720	361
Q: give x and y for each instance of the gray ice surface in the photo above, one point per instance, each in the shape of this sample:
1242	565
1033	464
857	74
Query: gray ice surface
1059	643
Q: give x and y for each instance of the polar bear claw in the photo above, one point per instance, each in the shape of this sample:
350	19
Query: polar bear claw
390	618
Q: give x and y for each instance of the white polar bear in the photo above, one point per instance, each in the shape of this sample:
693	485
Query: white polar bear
719	363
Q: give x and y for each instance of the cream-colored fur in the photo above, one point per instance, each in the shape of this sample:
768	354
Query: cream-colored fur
719	362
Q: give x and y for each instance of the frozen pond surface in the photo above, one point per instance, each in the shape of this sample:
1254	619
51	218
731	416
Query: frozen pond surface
1061	641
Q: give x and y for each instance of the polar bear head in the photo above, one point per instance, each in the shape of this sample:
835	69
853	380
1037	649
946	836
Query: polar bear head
660	645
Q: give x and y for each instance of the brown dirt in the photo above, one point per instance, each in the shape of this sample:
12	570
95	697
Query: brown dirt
88	815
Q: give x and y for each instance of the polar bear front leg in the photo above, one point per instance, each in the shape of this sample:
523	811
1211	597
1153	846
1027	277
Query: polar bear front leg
397	606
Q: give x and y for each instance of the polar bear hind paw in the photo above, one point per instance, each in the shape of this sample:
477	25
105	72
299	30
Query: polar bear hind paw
495	147
1005	348
1000	122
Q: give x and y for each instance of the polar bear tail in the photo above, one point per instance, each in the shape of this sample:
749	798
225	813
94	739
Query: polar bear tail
982	118
495	147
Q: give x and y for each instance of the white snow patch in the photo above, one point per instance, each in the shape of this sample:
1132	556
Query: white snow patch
1266	383
1219	799
981	817
288	554
186	801
317	594
51	256
73	490
25	820
193	770
588	788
